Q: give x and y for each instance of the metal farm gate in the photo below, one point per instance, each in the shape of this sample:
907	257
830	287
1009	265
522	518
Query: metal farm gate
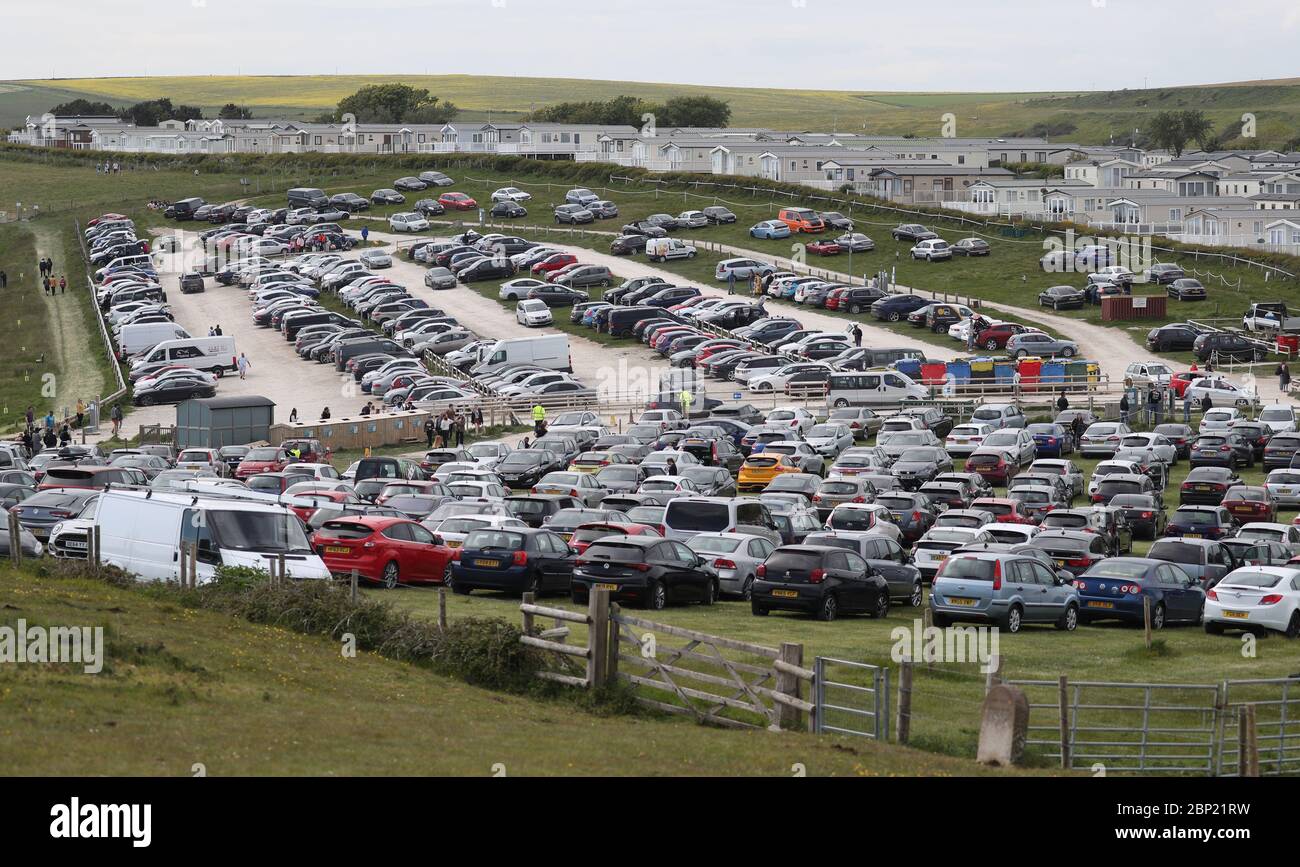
860	708
1277	725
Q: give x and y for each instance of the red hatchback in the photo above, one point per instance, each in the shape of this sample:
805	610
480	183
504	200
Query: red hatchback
1006	511
457	202
834	297
262	460
824	247
587	535
384	550
993	466
1179	381
1249	503
554	262
996	336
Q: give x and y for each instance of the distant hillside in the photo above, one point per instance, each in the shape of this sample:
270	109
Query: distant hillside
1086	117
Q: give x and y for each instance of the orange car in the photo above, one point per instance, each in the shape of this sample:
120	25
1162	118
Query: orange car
802	220
758	470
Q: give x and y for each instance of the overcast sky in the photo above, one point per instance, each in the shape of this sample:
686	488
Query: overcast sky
935	45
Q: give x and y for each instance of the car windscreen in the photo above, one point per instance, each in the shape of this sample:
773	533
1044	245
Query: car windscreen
968	568
257	531
1242	578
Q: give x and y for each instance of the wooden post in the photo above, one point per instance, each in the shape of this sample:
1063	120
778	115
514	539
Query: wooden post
1146	619
96	540
280	568
528	618
1064	699
927	620
905	700
1247	742
442	608
597	637
611	657
352	585
15	540
789	718
994	675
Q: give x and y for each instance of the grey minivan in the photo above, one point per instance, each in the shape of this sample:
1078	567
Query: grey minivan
1009	590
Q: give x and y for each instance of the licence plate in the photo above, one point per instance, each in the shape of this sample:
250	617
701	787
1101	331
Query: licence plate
1191	535
1237	615
453	544
74	543
1284	490
337	549
961	600
1101	604
490	564
38	532
786	594
607	587
1204	488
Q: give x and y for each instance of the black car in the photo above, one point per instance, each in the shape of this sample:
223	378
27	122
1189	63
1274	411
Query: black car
1145	513
349	202
920	464
645	570
1186	289
972	247
1176	336
409	184
486	269
718	214
508	209
859	298
514	560
1162	273
643	227
912	512
523	468
536	509
913	233
1181	436
820	580
895	308
429	208
836	220
1227	346
557	296
626	245
1207	485
174	390
1061	297
1281	450
387	197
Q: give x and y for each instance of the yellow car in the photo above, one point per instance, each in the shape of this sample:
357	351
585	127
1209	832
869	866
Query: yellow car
758	470
593	462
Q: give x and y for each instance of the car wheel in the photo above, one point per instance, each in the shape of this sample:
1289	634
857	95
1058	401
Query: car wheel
747	589
447	576
992	344
841	403
534	585
710	594
1012	622
656	596
1293	625
895	316
1158	616
1068	352
917	595
829	608
1069	620
882	605
856	308
1021	353
145	400
390	578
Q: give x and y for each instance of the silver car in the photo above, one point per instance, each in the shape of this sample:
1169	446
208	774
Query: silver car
1284	485
830	439
439	278
1102	438
1040	344
732	558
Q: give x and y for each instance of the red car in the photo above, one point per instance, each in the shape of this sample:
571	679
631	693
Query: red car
457	202
105	218
834	297
263	460
1006	511
824	247
317	498
1179	381
384	550
587	534
722	346
309	451
996	336
1248	503
993	466
554	262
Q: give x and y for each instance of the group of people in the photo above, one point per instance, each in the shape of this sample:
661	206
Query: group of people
108	168
448	427
48	283
214	330
320	242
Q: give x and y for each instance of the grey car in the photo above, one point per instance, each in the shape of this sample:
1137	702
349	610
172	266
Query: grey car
1009	590
842	489
1206	560
862	422
439	278
1040	344
883	555
732	558
830	438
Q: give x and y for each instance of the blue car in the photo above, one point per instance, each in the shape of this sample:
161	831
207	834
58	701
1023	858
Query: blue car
1008	590
1115	588
513	559
1053	440
895	308
770	229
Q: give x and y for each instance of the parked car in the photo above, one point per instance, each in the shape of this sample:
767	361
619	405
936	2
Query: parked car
1255	597
1002	588
820	580
1119	589
645	570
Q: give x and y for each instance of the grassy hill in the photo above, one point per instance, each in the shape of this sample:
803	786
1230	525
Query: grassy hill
1095	116
182	686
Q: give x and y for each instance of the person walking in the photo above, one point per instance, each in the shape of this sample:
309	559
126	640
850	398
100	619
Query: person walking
49	440
1062	402
1283	377
63	285
4	279
116	417
1206	404
476	417
365	234
539	419
81	412
1015	384
1187	408
293	415
460	428
1123	407
731	281
670	467
243	366
1153	407
429	429
65	435
31	416
49	420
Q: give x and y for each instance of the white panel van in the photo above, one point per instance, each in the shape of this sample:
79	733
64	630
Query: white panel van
547	351
141	337
216	355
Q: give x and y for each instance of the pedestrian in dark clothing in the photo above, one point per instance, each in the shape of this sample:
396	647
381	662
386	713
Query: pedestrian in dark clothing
50	440
325	414
218	330
1153	406
1206	404
460	429
857	335
4	279
1123	408
1283	377
429	429
1062	402
731	281
671	467
65	435
63	285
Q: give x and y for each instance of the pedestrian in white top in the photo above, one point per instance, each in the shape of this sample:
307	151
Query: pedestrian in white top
243	366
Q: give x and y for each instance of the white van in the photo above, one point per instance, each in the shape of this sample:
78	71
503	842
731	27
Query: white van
214	354
138	338
664	249
142	531
547	351
873	388
688	516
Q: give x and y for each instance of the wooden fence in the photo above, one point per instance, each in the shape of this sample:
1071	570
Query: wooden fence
701	678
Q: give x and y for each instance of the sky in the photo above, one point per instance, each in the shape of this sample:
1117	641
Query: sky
935	45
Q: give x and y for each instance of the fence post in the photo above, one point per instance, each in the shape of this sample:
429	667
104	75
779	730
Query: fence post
15	540
905	699
97	539
528	617
788	684
283	579
1247	742
597	637
927	620
994	675
611	648
1146	619
1064	699
352	586
442	609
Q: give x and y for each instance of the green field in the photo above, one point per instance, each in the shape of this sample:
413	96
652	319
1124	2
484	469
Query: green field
1096	117
183	687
